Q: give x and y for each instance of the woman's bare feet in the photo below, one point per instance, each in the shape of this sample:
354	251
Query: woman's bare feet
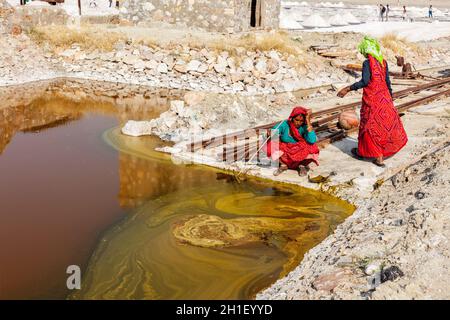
356	154
302	171
280	170
379	162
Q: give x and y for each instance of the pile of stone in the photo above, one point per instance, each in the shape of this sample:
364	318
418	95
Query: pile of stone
189	68
195	118
20	59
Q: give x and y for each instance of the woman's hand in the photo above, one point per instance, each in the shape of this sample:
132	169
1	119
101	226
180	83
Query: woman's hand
308	115
343	92
308	120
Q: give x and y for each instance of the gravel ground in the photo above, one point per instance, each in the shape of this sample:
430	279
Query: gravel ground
395	246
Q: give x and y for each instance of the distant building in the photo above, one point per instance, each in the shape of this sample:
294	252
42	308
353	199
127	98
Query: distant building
212	15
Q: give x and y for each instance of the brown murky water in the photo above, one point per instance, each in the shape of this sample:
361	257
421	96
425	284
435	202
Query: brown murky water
73	191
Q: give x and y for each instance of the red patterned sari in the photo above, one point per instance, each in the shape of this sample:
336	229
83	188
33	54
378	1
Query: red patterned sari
381	131
295	154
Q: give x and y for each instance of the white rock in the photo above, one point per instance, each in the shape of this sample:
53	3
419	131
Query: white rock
182	68
231	63
238	86
372	268
247	64
139	65
170	150
148	6
193	65
238	76
177	106
68	53
261	66
288	85
202	68
273	66
274	55
137	128
162	68
220	68
169	119
159	56
152	64
192	98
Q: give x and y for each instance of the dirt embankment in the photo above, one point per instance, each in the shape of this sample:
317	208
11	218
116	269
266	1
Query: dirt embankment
395	246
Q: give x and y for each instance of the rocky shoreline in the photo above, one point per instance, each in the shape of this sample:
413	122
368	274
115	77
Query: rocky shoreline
395	246
399	232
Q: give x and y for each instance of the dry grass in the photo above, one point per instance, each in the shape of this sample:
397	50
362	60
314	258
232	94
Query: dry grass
87	37
264	42
254	42
399	46
91	37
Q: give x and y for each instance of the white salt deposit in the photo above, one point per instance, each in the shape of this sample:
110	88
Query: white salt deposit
294	3
350	18
290	24
415	31
337	21
330	5
315	21
289	19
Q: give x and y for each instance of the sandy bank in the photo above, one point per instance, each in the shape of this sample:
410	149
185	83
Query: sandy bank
404	228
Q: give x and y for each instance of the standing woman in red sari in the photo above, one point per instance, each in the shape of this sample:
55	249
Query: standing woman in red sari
381	132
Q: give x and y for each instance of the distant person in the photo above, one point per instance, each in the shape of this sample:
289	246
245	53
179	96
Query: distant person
297	147
382	12
381	132
110	3
387	12
430	12
404	13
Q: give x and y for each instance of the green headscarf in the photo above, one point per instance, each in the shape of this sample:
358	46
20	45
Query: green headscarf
371	46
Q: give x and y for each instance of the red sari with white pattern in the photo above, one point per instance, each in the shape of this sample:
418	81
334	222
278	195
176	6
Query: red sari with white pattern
381	131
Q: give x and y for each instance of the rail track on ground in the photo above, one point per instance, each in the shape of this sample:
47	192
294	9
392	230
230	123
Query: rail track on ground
245	145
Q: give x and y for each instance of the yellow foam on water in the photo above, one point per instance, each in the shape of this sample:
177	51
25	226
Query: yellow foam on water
216	241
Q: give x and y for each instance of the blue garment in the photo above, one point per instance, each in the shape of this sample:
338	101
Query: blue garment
367	75
283	132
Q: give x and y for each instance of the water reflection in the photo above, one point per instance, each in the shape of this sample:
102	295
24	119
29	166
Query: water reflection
59	187
210	239
169	231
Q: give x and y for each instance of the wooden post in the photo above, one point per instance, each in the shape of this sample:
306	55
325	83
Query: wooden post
224	152
257	145
79	7
235	148
247	150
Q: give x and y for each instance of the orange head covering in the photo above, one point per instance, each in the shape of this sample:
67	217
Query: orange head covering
298	111
293	130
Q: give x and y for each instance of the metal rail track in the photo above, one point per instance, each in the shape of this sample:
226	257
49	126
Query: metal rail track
331	130
323	120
